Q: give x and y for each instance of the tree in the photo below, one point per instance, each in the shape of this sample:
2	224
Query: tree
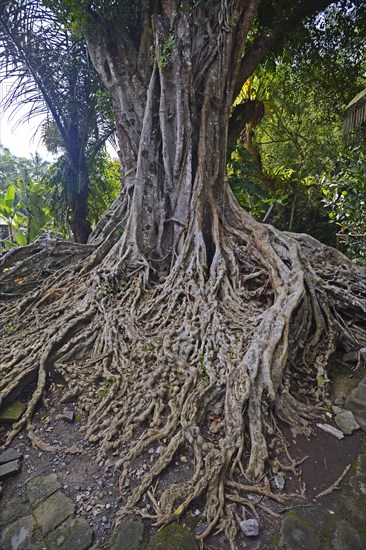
51	74
205	325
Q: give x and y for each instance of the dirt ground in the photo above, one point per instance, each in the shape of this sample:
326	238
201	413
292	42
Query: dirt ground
93	483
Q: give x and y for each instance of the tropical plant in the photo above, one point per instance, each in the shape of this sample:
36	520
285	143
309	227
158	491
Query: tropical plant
24	208
51	74
345	200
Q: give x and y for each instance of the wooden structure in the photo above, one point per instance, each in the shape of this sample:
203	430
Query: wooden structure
354	123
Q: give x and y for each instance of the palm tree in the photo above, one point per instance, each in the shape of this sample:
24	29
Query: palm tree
49	68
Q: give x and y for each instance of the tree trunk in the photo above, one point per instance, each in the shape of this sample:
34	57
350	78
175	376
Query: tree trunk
210	325
76	186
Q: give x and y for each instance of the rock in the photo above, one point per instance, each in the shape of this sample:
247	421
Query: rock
278	483
9	455
353	494
363	353
184	459
11	510
72	534
342	528
130	533
41	487
10	469
250	527
11	412
346	422
331	430
68	416
346	536
174	537
340	400
18	535
356	402
50	513
297	534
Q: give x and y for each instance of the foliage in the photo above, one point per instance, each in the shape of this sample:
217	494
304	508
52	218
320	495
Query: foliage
33	197
52	75
24	197
105	184
345	198
25	211
245	179
300	135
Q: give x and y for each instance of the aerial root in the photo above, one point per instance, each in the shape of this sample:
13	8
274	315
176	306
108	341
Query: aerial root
199	364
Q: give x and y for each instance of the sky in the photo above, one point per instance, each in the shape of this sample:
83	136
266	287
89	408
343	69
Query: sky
21	140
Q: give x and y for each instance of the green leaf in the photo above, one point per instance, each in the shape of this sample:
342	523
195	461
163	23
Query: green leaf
9	197
21	239
179	510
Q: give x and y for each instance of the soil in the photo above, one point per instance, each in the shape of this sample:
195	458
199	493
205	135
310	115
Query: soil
93	483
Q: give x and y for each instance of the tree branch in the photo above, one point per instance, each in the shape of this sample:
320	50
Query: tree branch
282	24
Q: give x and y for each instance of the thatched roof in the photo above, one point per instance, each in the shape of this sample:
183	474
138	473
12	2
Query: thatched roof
355	114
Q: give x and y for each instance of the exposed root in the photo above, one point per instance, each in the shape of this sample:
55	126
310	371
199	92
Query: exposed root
200	363
336	484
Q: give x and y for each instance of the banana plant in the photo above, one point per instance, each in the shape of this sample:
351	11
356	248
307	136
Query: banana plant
25	212
10	214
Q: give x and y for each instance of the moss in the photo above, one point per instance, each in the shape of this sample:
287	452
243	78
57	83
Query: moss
131	533
174	537
11	412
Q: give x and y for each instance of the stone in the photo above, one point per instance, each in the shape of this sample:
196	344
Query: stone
353	498
9	455
356	402
351	357
11	412
174	537
340	399
50	513
331	430
346	422
68	416
72	534
297	534
363	353
40	487
11	510
18	535
250	527
346	537
10	469
130	533
278	483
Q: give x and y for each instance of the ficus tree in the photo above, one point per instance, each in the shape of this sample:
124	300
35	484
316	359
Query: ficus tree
181	304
